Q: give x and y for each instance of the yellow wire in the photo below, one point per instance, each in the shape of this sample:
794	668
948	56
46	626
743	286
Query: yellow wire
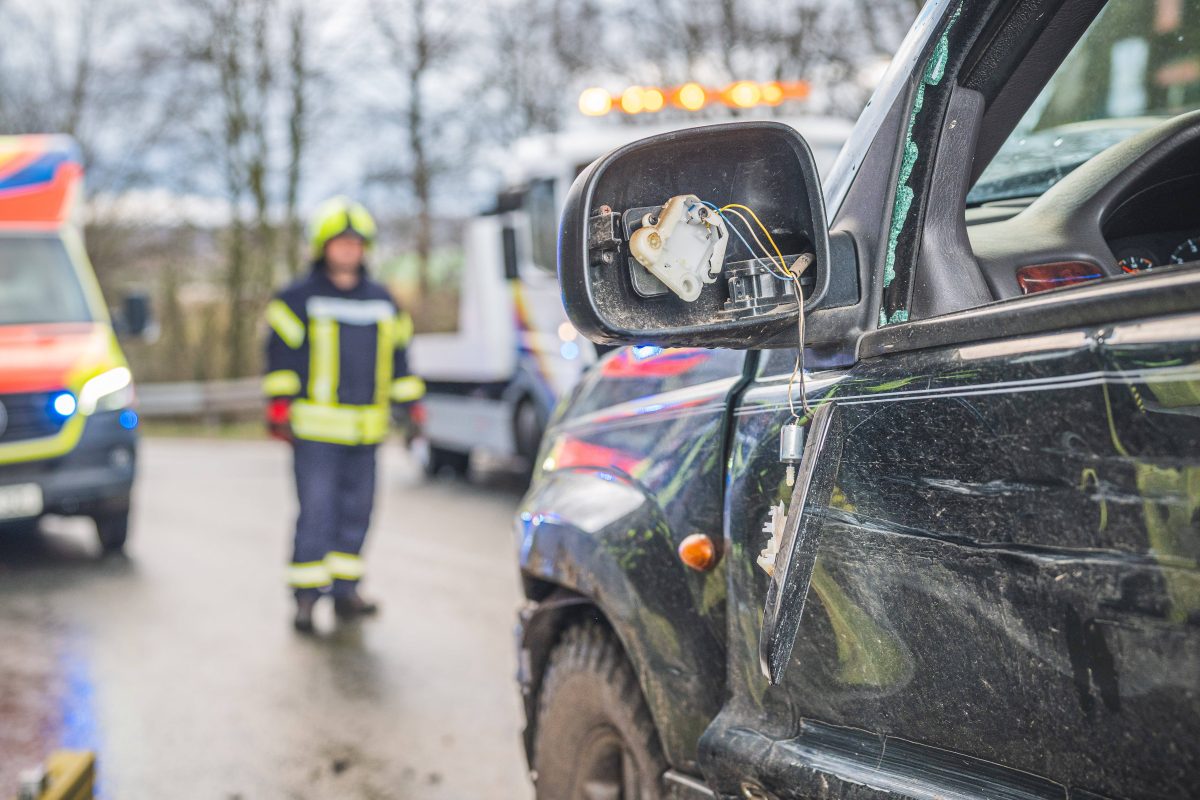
750	211
766	254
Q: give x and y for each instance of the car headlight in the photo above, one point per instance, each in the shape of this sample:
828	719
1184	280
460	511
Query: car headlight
108	391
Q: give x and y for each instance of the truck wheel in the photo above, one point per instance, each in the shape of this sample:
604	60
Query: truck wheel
441	459
527	430
595	738
23	528
112	528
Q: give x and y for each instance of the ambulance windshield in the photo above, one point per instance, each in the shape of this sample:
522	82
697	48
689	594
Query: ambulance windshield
38	283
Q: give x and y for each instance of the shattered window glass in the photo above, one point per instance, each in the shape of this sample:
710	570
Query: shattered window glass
1137	65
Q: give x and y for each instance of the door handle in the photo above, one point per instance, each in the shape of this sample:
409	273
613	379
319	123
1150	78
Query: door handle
797	555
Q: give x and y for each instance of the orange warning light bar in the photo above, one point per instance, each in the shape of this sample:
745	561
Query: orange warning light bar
596	102
690	97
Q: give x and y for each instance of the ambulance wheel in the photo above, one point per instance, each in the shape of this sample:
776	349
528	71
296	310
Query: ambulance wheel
595	737
441	459
112	528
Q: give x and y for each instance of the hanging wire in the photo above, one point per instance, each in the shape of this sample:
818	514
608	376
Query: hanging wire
770	239
765	256
797	375
793	274
798	369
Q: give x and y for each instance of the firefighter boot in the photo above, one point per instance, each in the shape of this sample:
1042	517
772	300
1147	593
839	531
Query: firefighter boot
306	601
351	605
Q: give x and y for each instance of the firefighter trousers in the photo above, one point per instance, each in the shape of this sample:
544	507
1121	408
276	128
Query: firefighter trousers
335	484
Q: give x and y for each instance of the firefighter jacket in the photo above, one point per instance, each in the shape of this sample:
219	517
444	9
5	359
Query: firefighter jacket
340	358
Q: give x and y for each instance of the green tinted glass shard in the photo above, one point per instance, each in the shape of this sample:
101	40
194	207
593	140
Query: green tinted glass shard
932	75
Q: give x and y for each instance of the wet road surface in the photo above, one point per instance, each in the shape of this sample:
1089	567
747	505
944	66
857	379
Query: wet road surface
177	664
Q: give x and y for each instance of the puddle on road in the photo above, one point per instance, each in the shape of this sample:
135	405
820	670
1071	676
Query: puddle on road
47	697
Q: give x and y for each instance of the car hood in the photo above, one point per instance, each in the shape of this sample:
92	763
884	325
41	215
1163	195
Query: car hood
37	358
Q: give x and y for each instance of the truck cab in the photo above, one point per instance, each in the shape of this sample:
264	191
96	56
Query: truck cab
68	438
925	523
494	381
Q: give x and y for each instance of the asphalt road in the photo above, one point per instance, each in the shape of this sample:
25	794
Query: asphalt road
178	665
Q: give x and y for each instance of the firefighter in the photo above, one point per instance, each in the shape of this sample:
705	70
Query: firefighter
336	370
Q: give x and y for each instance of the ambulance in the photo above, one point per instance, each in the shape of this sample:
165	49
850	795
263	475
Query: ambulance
68	427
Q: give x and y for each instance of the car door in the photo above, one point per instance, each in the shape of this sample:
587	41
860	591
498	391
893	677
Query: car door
1003	589
988	580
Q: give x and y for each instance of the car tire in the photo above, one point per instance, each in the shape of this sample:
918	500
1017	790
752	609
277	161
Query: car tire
441	460
112	529
595	737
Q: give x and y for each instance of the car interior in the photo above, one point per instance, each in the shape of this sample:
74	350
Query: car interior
1052	178
1132	209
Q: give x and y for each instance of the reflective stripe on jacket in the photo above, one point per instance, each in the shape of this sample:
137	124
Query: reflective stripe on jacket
341	356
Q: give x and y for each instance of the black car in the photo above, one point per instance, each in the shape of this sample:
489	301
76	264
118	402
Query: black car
954	551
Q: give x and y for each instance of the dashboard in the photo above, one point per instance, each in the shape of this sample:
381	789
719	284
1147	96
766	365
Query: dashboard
1147	251
1158	225
1133	208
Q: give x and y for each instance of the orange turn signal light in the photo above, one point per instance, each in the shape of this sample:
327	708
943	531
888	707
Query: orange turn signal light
698	552
1040	277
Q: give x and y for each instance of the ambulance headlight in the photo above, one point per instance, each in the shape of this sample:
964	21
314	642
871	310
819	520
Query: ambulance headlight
108	391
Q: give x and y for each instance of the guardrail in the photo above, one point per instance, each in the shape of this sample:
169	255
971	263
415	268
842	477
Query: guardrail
206	400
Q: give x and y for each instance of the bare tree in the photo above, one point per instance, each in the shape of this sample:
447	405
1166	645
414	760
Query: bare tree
226	47
299	76
417	37
220	97
541	52
72	66
533	52
82	72
47	85
824	43
230	83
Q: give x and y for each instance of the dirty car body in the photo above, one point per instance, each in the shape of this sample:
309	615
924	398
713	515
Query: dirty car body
991	585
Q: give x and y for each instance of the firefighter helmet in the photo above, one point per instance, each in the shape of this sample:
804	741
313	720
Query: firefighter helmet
337	216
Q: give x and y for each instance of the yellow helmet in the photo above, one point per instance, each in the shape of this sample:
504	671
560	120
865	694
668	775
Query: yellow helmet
336	216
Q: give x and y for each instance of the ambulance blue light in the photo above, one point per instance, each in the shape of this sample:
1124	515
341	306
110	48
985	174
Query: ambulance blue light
128	419
62	405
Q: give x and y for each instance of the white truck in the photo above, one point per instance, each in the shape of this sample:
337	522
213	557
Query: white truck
494	381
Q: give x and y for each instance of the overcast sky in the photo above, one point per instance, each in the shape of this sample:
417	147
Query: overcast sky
152	118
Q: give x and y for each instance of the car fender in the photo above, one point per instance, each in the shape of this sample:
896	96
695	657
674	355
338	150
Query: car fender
599	535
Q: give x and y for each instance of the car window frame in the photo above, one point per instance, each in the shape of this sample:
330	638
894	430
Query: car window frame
1007	98
1096	305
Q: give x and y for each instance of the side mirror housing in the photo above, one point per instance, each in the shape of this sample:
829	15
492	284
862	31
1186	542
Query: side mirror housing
136	317
744	302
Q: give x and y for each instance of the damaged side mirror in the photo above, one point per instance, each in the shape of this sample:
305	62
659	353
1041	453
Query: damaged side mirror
697	238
